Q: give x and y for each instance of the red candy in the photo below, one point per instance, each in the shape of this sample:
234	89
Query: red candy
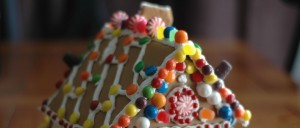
94	104
197	76
84	75
156	82
180	66
137	23
163	117
230	98
58	84
200	63
109	58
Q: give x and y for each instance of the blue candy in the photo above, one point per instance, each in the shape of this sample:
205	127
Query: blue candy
163	88
150	112
226	113
168	30
151	70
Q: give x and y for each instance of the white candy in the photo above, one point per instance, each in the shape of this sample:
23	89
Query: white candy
204	89
142	122
214	98
182	78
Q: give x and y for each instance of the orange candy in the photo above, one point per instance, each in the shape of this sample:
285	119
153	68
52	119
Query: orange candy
171	64
123	57
124	121
224	92
131	89
127	40
171	77
159	100
163	73
181	37
207	114
84	75
100	35
93	55
239	112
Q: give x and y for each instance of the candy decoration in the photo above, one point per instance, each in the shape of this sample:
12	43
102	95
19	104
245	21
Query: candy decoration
148	91
71	60
223	69
114	89
239	112
142	122
124	121
230	98
117	18
93	55
204	90
100	35
153	24
207	114
156	82
79	91
122	58
226	113
197	55
218	85
197	46
94	104
181	37
200	63
182	78
171	77
197	77
247	115
214	98
180	66
131	110
104	126
106	105
144	40
151	70
116	32
171	64
90	46
109	58
163	73
189	49
131	89
95	78
163	117
172	35
74	118
159	100
224	92
58	84
163	88
210	79
160	33
168	30
61	113
85	75
207	69
67	88
116	126
150	112
137	23
180	56
88	123
234	105
141	102
139	66
127	40
182	104
190	67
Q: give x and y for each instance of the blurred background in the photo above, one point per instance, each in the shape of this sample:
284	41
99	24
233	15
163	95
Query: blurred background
271	27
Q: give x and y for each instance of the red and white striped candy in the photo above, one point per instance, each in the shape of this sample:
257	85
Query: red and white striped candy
118	17
153	24
137	23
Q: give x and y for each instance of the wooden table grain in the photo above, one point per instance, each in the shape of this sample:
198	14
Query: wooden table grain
29	70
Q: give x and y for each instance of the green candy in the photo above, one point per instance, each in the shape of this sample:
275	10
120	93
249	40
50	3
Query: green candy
172	35
90	46
96	78
197	46
139	66
148	92
144	40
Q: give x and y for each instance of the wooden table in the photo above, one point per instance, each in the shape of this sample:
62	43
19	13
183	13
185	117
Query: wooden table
28	72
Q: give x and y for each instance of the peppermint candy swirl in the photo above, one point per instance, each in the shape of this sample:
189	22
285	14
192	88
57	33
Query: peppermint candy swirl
137	23
118	17
153	24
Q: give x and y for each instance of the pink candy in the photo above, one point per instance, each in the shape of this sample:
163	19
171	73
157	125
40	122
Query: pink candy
117	18
153	24
138	24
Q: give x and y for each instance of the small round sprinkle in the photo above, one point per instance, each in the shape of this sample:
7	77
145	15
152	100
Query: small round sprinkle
181	36
156	82
131	110
141	102
148	91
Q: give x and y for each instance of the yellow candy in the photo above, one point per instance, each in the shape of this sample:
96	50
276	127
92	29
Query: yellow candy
104	126
197	54
210	79
180	56
67	88
61	112
131	110
74	117
190	68
116	32
189	49
106	105
114	89
247	115
160	33
79	91
88	123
